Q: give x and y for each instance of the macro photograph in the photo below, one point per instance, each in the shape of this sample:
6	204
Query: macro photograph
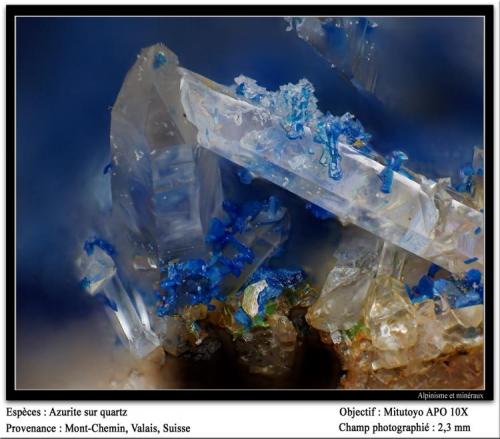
273	202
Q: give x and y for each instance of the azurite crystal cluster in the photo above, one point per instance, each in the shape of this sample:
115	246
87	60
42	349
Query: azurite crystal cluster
186	250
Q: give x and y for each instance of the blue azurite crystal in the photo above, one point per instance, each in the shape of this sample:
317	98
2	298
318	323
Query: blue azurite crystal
89	245
394	163
423	290
243	318
249	89
468	172
460	292
329	130
198	281
299	105
295	104
472	277
107	168
159	60
245	176
433	269
187	283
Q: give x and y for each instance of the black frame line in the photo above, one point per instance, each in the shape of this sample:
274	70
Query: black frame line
12	11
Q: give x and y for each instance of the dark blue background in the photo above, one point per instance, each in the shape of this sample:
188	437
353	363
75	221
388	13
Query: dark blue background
69	72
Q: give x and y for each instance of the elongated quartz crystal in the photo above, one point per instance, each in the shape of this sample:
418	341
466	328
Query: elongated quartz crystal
417	214
347	43
165	190
126	310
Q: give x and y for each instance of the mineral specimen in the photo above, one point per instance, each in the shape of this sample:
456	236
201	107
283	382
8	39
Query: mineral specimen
269	350
347	43
99	277
258	317
471	184
240	244
157	173
188	268
344	293
253	128
389	315
377	322
393	333
160	211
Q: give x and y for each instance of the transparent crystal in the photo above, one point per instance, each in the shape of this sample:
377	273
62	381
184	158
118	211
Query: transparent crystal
96	269
430	341
159	178
462	327
418	215
126	311
264	236
347	43
345	290
389	315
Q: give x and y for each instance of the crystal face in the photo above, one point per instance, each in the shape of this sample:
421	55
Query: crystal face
348	43
99	277
224	199
157	172
389	316
344	292
417	214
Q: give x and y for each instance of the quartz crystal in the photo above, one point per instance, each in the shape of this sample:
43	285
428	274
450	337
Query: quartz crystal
347	43
430	338
389	315
417	215
344	293
157	173
159	208
187	269
240	244
374	313
126	310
